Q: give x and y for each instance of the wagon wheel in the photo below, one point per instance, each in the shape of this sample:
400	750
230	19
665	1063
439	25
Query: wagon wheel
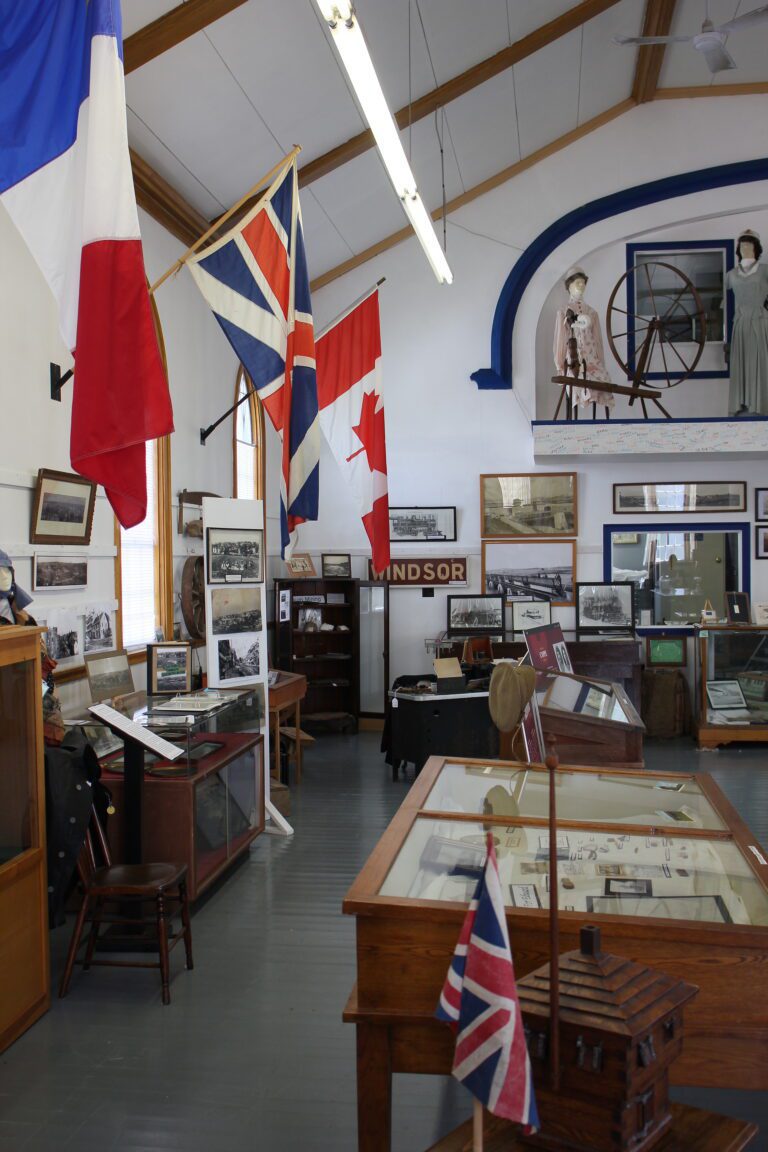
675	324
193	597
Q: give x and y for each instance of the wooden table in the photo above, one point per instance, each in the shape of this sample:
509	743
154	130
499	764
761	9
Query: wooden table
285	697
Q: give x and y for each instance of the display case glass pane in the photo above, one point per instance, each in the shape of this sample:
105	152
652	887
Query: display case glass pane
737	676
595	797
18	682
244	786
595	699
599	873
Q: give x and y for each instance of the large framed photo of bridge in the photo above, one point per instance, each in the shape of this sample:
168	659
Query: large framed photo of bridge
528	504
530	570
414	525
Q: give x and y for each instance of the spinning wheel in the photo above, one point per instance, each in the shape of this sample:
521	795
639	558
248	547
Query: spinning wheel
669	319
193	597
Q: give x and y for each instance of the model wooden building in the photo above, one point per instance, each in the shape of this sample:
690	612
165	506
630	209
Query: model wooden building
621	1027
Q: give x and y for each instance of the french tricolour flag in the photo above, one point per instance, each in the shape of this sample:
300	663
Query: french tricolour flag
65	179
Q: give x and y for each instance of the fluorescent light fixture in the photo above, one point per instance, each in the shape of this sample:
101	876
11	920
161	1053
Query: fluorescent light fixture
351	46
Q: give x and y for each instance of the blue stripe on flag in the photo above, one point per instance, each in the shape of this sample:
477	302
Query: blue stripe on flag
302	297
45	72
260	361
486	926
282	203
227	264
303	404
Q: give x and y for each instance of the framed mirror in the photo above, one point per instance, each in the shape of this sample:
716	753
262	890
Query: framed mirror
676	568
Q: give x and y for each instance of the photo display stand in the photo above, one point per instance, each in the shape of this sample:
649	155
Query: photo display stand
236	611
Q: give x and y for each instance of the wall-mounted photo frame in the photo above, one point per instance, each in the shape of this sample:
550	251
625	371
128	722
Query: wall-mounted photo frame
336	565
673	497
761	505
666	652
109	675
235	610
169	668
52	573
605	607
528	504
300	564
761	542
530	570
530	614
478	615
415	525
737	608
234	555
62	509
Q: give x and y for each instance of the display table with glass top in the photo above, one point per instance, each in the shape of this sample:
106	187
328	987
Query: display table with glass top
662	863
732	684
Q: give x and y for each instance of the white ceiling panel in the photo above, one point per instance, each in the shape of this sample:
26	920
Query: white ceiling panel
547	86
209	125
525	16
425	161
607	69
385	26
684	66
325	247
462	35
483	129
138	13
166	165
361	202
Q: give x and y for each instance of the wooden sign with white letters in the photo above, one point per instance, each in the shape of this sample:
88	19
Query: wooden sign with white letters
409	572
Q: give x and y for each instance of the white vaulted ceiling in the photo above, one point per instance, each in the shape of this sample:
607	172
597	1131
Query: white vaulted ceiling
213	113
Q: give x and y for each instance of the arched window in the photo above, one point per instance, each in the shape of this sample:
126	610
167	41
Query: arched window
247	441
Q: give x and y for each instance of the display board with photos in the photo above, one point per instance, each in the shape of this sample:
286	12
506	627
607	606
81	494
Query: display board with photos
528	504
530	570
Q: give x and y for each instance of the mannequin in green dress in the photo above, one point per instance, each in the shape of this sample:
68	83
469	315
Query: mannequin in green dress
748	281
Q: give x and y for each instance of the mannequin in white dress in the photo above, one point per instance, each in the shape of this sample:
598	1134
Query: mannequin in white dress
589	341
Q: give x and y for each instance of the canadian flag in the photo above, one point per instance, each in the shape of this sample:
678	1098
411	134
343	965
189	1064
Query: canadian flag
351	408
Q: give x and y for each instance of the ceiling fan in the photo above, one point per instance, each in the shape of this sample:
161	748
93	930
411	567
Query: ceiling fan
710	41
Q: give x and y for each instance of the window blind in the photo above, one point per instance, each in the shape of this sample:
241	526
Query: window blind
137	568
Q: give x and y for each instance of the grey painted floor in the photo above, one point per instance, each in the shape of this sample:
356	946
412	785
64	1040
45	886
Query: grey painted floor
251	1055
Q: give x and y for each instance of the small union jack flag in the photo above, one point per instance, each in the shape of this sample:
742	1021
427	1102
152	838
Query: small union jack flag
479	999
255	279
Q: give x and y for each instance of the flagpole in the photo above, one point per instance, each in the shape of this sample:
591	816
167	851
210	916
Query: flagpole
350	308
264	182
477	1126
554	929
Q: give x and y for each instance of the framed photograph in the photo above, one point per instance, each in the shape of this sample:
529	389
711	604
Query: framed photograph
629	887
109	675
336	565
169	668
528	504
761	504
235	610
737	607
725	694
412	525
605	607
309	619
300	564
234	555
673	497
666	652
530	570
239	657
530	614
62	509
479	615
97	630
761	542
50	573
525	896
284	606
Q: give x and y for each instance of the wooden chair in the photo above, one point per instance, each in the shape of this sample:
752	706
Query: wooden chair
477	650
127	885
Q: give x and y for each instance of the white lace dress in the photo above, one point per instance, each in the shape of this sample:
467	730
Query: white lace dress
589	342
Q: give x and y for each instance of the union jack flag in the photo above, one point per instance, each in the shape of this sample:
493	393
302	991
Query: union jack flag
255	280
479	999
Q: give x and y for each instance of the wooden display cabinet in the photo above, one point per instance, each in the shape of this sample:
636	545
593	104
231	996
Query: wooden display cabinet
685	882
733	652
24	959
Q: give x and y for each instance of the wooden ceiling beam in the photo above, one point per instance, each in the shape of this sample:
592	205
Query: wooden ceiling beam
650	57
478	190
170	29
756	88
459	85
164	204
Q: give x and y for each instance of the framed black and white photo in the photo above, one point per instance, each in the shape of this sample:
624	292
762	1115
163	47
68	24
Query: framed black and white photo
336	565
109	675
603	607
62	509
737	607
530	614
761	542
723	695
672	497
97	629
234	555
530	570
50	573
528	504
761	505
480	615
239	657
169	668
235	610
414	525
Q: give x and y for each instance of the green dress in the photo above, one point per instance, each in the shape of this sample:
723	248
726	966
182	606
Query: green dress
749	342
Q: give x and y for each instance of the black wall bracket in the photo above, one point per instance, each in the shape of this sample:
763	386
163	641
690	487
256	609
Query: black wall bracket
57	380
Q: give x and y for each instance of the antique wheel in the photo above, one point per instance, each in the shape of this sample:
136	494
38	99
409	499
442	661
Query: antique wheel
669	330
193	597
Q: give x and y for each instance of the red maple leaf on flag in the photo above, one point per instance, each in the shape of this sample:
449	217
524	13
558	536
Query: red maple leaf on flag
370	433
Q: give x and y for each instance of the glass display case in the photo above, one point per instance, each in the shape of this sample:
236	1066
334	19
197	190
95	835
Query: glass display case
732	684
592	721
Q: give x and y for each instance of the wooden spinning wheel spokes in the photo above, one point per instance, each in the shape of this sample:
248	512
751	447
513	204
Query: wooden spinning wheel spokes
674	326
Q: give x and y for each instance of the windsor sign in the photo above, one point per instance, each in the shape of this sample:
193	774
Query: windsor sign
410	572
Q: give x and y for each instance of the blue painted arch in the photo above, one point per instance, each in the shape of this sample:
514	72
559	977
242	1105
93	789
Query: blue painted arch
499	375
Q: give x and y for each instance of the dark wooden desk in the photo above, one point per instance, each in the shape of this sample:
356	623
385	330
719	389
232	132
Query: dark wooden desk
285	697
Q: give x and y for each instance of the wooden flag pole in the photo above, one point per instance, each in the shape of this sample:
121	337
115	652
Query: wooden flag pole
477	1126
554	928
264	182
